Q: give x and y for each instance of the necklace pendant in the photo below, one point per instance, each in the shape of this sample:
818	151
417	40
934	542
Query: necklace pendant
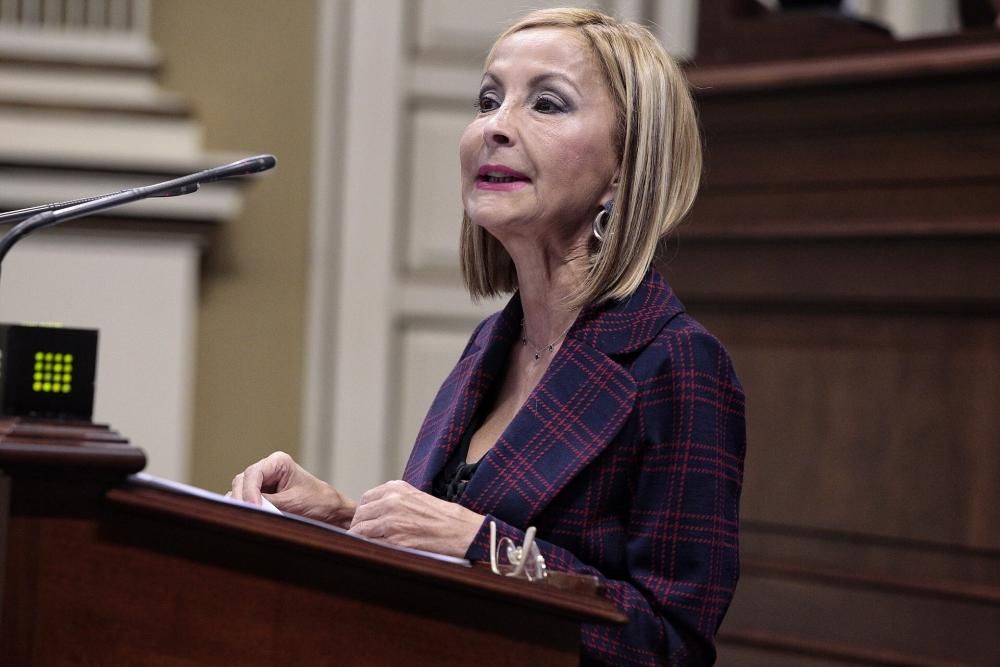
537	356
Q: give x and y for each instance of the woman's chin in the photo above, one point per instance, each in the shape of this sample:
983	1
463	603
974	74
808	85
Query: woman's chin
494	214
499	226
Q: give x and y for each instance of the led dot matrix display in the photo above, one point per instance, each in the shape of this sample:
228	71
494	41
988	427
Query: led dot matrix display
53	372
47	371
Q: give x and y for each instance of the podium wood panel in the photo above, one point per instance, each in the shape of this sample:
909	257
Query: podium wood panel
100	571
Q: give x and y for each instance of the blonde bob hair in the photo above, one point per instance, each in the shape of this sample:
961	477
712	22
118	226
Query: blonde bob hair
659	149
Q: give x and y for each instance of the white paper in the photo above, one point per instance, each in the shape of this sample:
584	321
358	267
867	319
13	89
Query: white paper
267	505
145	479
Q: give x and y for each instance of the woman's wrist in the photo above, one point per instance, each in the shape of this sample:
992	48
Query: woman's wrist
472	524
342	509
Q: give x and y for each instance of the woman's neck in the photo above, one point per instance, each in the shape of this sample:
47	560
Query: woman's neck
545	281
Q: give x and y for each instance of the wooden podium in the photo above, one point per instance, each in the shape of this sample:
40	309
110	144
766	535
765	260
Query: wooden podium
95	569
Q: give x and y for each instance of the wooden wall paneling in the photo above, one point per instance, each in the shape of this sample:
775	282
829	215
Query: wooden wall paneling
747	30
446	29
894	154
787	162
871	424
869	619
435	199
845	248
931	276
759	652
927	564
455	29
857	211
427	351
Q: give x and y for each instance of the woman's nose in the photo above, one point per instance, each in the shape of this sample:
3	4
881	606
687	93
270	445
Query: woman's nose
499	130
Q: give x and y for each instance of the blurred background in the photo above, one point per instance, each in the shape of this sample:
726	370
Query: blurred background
845	248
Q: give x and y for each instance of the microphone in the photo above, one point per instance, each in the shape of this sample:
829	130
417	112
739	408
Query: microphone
25	213
53	214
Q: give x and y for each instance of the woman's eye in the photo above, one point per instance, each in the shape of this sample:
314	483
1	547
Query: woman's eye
547	105
486	103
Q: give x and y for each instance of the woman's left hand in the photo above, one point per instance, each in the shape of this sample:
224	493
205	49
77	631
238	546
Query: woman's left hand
398	513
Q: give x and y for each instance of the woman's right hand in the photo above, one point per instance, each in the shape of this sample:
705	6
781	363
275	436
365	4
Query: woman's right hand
292	489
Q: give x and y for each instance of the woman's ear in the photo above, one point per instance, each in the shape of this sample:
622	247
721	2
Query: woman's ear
612	191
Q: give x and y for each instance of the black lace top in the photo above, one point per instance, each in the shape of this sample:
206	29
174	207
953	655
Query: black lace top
450	483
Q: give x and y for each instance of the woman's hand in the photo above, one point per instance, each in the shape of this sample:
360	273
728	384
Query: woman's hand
398	513
292	489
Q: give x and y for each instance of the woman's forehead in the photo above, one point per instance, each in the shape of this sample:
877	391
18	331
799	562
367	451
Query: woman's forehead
542	50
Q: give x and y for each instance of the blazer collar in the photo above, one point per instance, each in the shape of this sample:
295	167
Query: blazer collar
575	411
616	327
620	327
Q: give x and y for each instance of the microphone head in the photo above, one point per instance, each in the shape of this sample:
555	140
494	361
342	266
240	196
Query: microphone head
250	165
261	163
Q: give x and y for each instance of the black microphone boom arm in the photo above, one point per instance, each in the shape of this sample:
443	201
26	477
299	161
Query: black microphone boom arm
54	214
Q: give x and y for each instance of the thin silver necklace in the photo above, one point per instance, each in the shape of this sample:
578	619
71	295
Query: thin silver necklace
539	351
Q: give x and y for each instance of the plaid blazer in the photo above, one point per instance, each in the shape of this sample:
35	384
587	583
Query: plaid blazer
627	457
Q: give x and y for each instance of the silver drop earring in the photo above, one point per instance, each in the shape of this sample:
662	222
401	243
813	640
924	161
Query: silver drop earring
601	221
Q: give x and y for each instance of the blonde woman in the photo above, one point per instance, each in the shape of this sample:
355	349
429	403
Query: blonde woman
592	407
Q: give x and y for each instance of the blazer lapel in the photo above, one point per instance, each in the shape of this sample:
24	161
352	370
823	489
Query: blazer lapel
460	396
573	413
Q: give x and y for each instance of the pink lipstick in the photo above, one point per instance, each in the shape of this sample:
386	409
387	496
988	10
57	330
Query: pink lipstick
499	177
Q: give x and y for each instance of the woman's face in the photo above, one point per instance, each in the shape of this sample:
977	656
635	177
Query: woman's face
539	158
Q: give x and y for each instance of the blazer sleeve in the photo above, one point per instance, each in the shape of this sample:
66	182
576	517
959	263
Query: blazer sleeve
682	550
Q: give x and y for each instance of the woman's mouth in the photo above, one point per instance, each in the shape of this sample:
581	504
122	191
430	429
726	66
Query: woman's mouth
499	177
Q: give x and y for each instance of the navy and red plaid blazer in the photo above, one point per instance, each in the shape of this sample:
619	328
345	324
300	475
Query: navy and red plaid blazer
627	457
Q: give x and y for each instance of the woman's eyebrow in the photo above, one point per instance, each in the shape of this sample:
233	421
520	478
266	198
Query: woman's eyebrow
550	77
489	76
535	81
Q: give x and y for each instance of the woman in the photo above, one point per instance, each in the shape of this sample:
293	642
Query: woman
592	406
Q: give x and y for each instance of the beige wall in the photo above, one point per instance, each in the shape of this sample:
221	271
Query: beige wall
247	65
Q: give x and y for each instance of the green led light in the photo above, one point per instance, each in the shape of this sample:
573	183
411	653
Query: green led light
53	372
